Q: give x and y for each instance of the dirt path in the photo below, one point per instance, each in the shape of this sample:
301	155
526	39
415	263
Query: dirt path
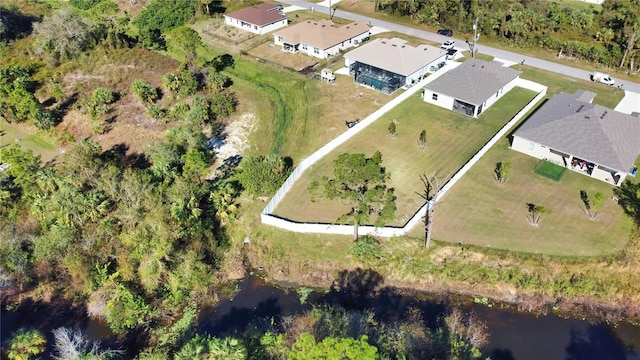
233	142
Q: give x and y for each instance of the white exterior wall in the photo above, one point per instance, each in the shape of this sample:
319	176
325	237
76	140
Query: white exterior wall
325	53
276	25
539	151
534	149
255	28
443	100
490	101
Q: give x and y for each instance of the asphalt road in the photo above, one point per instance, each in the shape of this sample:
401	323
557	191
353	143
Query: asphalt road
499	53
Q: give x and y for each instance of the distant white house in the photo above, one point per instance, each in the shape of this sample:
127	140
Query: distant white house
388	64
593	140
258	19
472	87
321	38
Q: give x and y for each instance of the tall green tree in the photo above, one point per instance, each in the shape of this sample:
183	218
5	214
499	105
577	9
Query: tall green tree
26	344
360	183
331	348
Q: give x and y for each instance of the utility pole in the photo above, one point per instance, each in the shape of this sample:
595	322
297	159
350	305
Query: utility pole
475	37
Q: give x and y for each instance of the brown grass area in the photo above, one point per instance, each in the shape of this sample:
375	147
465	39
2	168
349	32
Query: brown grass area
214	31
128	122
270	52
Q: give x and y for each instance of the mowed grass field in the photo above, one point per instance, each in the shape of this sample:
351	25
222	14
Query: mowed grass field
479	211
452	139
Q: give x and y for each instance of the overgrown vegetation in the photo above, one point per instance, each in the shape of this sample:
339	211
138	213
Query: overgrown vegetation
607	35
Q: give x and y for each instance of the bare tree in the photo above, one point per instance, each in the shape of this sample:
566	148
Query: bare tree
70	344
432	186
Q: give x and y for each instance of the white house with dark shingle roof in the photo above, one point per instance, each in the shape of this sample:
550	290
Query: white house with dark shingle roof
258	19
388	64
321	38
572	132
472	87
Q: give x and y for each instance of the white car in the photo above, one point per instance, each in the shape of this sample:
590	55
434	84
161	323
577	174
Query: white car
448	45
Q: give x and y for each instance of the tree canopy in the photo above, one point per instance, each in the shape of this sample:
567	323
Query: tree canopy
360	183
64	34
608	36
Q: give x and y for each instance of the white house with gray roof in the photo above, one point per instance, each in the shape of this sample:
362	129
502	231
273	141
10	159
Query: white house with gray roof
472	87
591	139
388	64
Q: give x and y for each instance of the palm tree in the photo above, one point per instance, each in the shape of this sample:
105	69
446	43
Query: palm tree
223	198
26	344
227	348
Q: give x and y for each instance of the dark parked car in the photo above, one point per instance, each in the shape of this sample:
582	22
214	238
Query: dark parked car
445	32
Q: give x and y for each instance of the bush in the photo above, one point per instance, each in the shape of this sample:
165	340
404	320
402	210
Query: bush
262	176
144	91
83	4
366	248
165	15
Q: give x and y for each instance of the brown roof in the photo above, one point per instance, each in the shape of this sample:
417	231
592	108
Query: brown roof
589	131
322	34
260	14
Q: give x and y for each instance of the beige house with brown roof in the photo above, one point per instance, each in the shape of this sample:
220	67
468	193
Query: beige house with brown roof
321	38
258	19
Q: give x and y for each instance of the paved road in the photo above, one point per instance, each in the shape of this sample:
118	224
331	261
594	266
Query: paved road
503	54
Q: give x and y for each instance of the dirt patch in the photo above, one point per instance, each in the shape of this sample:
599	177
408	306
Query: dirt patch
216	33
270	52
231	144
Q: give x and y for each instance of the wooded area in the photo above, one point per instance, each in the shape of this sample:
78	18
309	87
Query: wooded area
607	35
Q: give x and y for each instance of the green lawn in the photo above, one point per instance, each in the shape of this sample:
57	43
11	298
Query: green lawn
34	141
479	211
606	95
452	139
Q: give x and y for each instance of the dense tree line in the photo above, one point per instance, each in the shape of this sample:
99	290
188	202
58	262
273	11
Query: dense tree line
608	36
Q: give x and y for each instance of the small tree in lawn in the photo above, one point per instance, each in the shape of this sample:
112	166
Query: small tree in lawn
501	171
591	206
536	213
360	183
393	131
422	140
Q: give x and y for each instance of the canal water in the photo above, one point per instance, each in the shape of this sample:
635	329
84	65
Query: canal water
513	335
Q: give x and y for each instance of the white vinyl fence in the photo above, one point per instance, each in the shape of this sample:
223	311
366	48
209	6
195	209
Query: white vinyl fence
268	218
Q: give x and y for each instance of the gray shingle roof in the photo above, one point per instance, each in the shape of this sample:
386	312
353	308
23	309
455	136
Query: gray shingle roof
395	56
474	81
589	131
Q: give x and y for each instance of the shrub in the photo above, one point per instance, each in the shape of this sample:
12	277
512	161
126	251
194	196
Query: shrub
366	248
144	91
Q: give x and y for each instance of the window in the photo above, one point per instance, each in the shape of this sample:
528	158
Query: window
530	146
434	96
316	51
304	46
280	39
255	27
